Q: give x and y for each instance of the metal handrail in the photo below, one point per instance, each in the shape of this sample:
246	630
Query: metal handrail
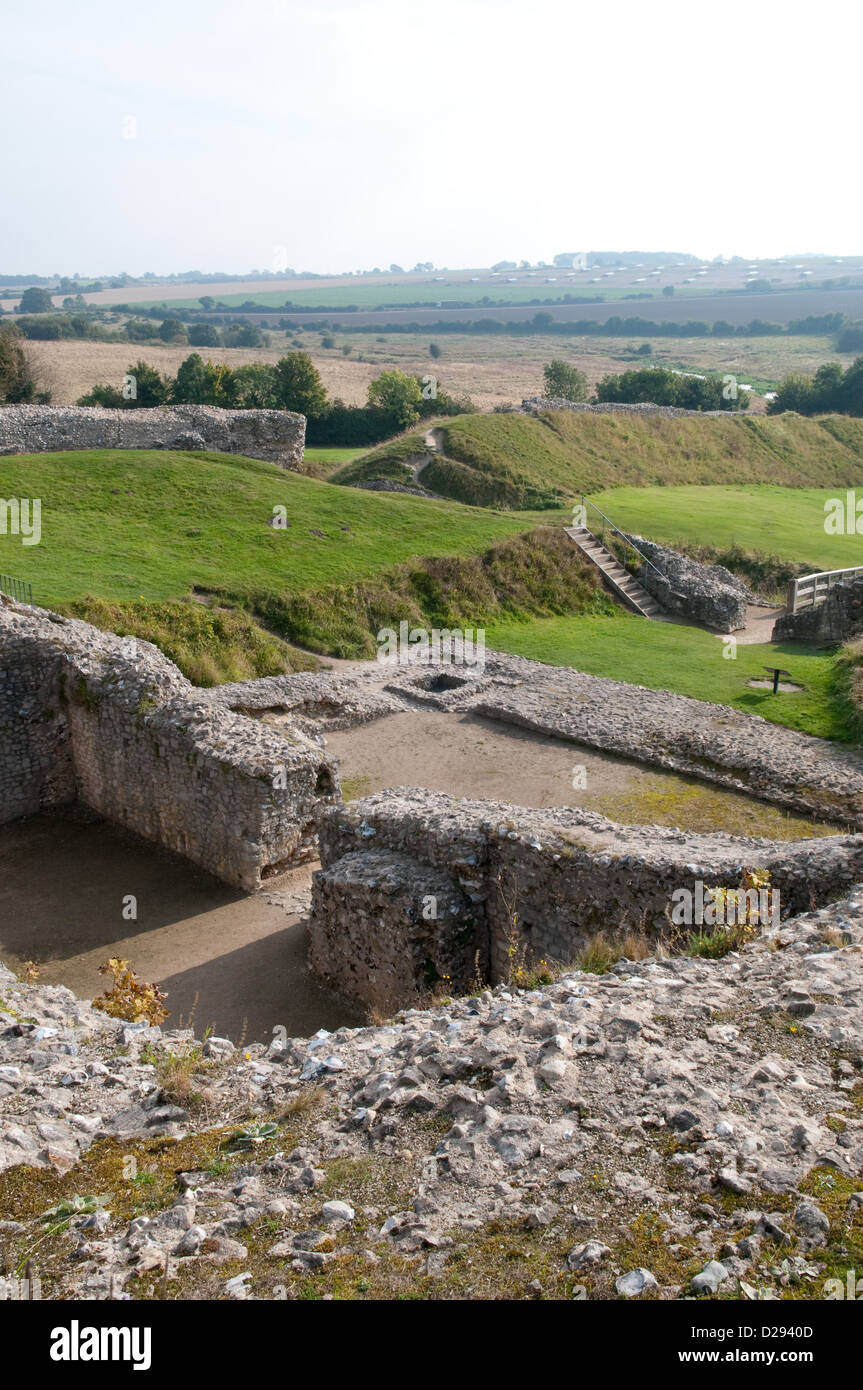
18	589
606	521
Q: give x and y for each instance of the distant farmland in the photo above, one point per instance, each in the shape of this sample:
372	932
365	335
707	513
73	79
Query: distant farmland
780	307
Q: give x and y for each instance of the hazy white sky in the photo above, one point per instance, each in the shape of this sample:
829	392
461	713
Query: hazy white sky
358	133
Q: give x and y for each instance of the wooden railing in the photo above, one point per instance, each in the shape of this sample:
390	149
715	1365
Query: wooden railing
811	589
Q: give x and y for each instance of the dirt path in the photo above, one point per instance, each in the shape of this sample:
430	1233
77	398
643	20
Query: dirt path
433	440
759	624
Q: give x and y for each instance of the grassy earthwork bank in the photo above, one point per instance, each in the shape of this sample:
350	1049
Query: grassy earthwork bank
520	461
181	549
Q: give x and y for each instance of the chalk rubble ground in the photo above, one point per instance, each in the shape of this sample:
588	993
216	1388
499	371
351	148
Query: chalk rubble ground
655	1088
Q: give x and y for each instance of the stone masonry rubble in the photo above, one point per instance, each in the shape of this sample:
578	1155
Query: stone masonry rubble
275	435
110	721
716	1103
709	594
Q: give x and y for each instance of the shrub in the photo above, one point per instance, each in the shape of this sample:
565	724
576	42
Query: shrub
203	335
399	395
171	330
564	380
128	997
298	386
18	384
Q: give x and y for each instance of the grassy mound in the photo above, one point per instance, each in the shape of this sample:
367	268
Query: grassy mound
530	463
537	575
571	452
390	461
210	645
155	525
178	549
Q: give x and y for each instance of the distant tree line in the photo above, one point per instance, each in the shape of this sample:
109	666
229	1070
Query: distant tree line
831	391
395	402
654	385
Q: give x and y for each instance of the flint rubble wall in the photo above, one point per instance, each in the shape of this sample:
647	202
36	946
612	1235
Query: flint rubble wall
540	881
277	436
709	594
86	715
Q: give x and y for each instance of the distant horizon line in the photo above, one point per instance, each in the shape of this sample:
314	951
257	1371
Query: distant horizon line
429	268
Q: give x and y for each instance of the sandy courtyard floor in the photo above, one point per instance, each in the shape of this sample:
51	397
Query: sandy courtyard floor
475	757
242	958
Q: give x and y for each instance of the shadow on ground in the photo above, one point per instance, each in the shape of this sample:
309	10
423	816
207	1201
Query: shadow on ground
226	960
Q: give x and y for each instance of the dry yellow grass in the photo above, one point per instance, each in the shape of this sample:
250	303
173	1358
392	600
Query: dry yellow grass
491	370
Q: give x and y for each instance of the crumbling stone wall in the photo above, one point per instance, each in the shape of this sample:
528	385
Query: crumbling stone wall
837	619
541	881
538	405
387	925
112	722
277	436
36	770
709	594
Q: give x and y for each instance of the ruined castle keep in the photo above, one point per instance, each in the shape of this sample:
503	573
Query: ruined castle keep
415	887
112	723
277	436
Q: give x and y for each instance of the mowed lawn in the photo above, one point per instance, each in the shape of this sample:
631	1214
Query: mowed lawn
788	522
688	661
127	524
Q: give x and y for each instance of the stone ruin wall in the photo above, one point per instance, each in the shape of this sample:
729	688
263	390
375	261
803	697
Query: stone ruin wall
708	594
837	619
541	405
111	722
566	875
416	888
277	436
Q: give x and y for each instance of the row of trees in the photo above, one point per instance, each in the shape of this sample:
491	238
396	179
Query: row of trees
830	391
81	322
395	401
662	387
647	384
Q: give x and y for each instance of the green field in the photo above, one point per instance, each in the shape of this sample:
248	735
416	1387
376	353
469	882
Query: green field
665	656
373	295
129	524
334	454
782	521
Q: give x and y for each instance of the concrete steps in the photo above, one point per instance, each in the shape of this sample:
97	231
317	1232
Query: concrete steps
632	594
